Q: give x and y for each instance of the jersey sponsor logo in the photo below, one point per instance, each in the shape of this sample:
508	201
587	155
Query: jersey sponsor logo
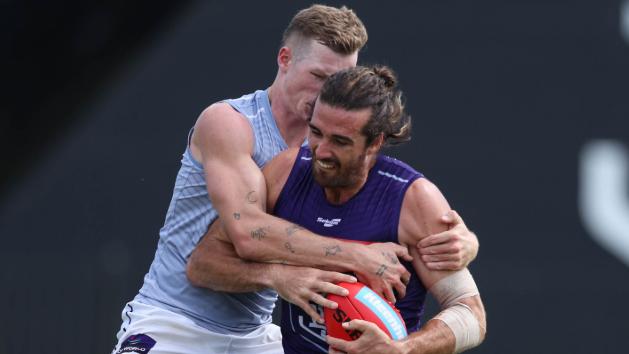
328	222
384	312
138	343
394	177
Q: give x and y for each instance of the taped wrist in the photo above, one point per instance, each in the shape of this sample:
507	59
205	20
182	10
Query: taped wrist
456	315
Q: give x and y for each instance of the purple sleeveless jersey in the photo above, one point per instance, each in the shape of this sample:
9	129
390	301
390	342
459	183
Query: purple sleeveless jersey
372	215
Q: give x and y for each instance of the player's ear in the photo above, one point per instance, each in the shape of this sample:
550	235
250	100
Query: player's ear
284	57
376	144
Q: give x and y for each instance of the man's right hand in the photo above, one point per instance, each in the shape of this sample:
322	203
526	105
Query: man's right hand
379	267
300	285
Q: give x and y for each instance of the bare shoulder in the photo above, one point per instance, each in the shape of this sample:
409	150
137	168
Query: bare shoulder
276	173
423	194
221	129
219	111
423	206
220	118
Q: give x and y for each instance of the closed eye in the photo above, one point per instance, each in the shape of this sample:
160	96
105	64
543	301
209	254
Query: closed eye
319	76
342	141
315	131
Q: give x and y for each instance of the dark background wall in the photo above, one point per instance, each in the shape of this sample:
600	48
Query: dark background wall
521	117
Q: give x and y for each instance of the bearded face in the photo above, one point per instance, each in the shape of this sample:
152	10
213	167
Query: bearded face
331	172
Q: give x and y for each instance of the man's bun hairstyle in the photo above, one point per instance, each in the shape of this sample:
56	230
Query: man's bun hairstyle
374	87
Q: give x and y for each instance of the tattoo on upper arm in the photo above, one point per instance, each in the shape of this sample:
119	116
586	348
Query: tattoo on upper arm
237	216
260	233
290	231
251	197
392	258
332	250
289	247
381	270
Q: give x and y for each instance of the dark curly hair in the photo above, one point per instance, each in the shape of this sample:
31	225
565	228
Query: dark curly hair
372	87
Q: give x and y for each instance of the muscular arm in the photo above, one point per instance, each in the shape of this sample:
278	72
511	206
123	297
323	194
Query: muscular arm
223	141
214	264
423	199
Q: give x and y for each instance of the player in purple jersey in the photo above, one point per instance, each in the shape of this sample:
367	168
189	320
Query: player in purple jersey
370	215
342	186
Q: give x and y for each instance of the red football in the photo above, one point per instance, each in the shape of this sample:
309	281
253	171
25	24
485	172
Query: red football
362	303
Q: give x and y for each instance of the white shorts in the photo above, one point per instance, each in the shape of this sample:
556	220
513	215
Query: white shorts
148	329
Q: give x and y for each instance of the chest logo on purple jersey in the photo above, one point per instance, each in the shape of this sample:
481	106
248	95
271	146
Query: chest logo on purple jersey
328	222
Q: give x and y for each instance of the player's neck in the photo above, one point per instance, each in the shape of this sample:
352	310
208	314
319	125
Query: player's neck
292	127
342	195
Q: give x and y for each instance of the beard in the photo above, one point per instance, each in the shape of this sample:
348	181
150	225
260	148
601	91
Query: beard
343	175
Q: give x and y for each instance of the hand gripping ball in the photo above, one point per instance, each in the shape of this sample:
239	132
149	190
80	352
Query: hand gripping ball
362	303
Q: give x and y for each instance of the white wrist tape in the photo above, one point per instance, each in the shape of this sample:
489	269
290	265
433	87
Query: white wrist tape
453	288
456	315
463	324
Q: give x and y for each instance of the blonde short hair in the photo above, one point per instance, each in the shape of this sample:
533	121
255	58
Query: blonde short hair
337	28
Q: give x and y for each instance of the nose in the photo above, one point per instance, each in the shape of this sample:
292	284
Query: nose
323	150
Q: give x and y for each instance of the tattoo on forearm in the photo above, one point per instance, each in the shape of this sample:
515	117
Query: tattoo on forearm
260	233
290	231
381	270
252	198
332	250
289	247
392	258
237	216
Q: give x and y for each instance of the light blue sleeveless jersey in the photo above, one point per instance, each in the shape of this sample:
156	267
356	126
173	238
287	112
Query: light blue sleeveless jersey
189	215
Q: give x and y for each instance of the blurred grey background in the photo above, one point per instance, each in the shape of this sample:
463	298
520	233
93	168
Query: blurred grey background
521	117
